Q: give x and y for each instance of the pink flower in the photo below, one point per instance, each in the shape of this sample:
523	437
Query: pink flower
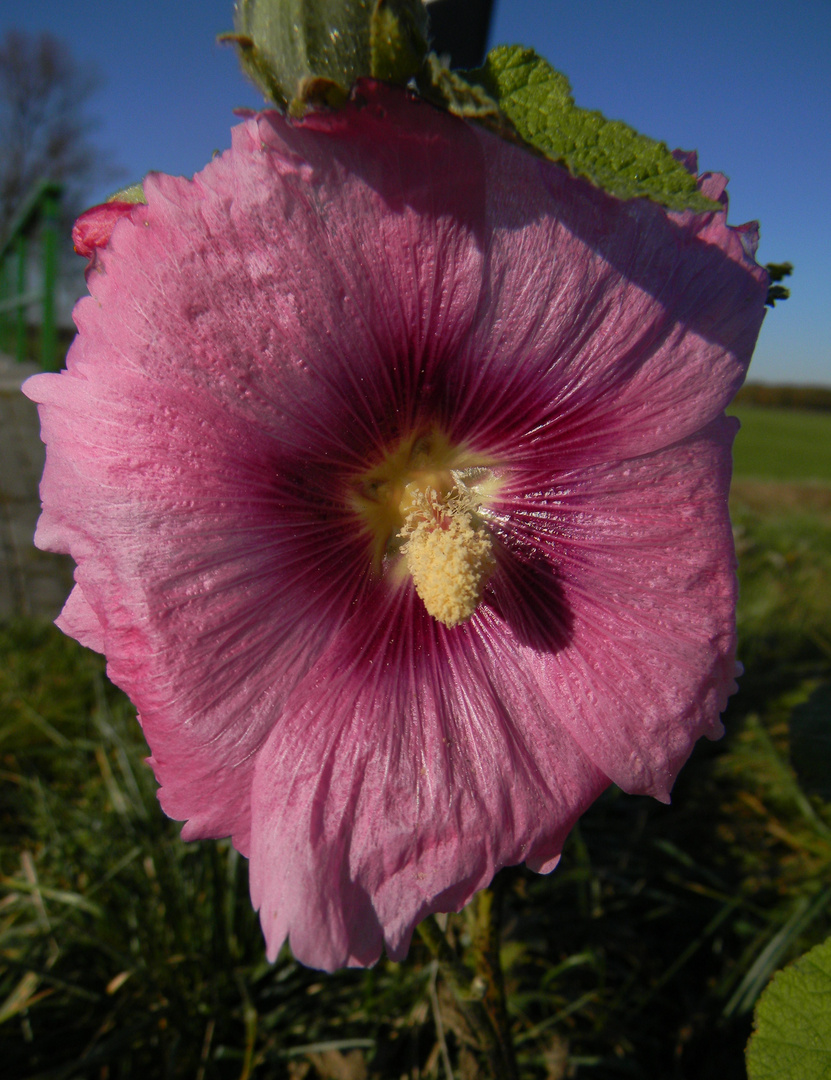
395	467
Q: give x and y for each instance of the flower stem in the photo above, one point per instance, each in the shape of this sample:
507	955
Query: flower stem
487	911
479	993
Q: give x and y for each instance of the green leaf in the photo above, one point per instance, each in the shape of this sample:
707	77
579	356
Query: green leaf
811	743
792	1036
778	272
538	102
312	51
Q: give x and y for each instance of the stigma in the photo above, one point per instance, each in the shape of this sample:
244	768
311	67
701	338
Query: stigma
448	551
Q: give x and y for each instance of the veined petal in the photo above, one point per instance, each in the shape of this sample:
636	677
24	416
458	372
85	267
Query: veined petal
642	553
612	328
202	505
207	597
408	767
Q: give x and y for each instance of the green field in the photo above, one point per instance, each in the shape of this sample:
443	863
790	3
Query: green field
783	444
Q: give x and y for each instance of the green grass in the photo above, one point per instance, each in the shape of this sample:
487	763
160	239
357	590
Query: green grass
783	444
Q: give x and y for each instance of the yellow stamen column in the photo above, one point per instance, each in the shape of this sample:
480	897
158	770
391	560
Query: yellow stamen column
449	552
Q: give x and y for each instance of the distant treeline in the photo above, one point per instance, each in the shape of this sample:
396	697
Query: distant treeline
785	397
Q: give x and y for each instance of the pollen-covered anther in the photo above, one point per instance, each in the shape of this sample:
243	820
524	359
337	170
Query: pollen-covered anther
449	552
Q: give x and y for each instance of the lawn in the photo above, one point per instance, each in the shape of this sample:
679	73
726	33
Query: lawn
783	444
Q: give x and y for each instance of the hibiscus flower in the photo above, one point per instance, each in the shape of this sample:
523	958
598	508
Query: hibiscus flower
394	463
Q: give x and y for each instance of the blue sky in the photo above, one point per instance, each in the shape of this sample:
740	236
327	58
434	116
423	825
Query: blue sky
746	83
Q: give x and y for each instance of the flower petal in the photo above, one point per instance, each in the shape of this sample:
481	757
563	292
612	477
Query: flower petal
611	329
78	620
202	593
408	767
642	552
94	227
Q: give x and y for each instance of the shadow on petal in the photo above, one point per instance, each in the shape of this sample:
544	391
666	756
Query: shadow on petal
527	596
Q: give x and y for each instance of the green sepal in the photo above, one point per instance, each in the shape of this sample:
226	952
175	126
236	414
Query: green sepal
315	91
792	1036
132	194
397	40
255	63
452	91
537	100
310	52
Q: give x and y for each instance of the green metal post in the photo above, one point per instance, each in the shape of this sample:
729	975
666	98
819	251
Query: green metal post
40	208
5	290
49	242
20	319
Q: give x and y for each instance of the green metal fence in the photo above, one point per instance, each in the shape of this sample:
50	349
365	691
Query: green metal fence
36	222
